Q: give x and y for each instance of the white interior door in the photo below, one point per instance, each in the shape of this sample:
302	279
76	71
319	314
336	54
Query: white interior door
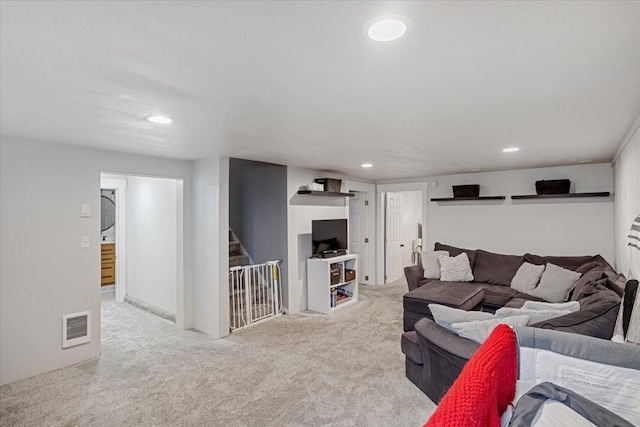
358	240
393	237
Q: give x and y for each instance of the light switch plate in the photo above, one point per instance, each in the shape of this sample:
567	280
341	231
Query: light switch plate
85	241
85	212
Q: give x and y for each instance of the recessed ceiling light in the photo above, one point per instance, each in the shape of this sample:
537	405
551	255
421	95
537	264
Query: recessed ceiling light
476	170
163	120
585	161
387	28
366	165
510	150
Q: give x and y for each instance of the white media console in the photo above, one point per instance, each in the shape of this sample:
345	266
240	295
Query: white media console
332	283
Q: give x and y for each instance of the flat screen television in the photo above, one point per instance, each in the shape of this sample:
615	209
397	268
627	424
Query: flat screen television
329	234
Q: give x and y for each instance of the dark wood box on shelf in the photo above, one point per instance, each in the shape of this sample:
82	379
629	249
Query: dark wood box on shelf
335	277
466	191
553	186
349	275
330	184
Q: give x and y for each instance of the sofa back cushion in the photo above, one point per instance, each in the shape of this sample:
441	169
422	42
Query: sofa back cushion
453	251
569	262
597	316
495	269
555	284
590	277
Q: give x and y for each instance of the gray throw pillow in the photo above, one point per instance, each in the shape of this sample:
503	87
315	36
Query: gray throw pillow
555	284
480	330
455	269
446	316
431	263
527	278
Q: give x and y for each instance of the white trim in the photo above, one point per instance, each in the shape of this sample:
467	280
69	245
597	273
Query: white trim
118	183
399	187
627	138
223	249
369	190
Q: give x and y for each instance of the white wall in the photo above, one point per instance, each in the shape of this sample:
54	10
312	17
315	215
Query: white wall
410	217
627	204
546	227
302	209
151	240
45	273
211	246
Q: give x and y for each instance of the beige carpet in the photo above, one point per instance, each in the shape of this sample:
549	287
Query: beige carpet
345	369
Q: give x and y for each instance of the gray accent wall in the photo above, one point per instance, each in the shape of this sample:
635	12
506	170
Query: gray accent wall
258	211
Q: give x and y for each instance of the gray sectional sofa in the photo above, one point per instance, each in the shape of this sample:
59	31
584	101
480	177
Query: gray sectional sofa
435	356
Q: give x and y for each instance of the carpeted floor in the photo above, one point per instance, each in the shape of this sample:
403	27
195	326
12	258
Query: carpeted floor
308	369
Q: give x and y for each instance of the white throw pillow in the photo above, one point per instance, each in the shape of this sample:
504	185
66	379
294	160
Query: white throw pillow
431	263
572	306
535	316
446	316
555	284
455	269
480	330
527	278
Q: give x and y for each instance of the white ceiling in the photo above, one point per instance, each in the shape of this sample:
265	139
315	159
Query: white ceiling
297	83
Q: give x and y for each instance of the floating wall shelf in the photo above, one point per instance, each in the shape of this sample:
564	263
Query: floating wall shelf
560	196
467	199
325	193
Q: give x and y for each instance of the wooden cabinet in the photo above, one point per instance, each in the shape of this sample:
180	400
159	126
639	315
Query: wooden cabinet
108	263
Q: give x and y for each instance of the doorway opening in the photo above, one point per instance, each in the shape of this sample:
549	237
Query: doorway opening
141	244
403	225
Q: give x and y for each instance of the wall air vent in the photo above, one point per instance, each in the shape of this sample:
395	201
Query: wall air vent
76	329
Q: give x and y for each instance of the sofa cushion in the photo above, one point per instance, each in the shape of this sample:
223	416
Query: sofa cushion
515	302
495	269
519	299
497	296
453	251
527	277
455	269
591	276
597	316
600	264
569	262
465	296
431	263
555	283
410	347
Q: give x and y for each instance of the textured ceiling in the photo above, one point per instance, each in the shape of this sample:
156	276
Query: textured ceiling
297	83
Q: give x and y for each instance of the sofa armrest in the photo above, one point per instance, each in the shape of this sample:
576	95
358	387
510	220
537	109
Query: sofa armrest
444	354
414	274
446	340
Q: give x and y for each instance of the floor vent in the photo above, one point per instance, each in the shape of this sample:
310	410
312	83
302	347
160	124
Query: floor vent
76	329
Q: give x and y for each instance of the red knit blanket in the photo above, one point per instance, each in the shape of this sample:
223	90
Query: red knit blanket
485	388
